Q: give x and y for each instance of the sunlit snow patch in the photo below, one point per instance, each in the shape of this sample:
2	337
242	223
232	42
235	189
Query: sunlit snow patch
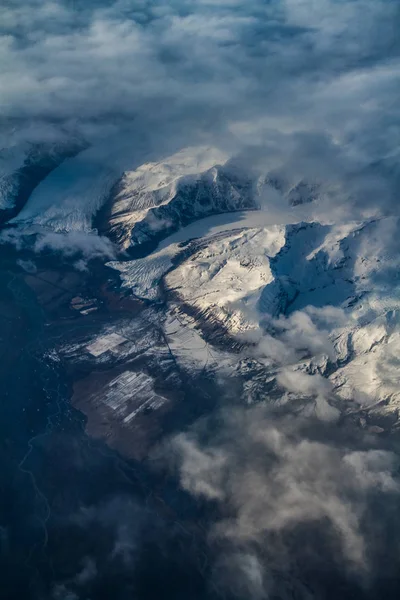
105	343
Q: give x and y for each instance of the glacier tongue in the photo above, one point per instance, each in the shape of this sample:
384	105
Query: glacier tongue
24	165
80	185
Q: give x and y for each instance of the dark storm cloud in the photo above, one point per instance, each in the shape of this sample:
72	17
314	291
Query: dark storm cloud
112	532
127	548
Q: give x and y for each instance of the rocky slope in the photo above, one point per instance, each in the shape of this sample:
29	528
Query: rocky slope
159	198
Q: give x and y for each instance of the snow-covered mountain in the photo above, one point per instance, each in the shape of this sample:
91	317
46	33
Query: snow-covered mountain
158	198
70	196
265	289
24	165
137	204
241	289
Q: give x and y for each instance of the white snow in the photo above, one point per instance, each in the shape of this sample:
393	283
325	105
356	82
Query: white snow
143	275
104	343
71	194
155	184
228	275
188	345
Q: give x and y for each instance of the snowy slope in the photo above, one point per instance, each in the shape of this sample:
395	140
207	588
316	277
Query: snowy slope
153	185
161	197
71	195
24	165
351	267
224	280
143	275
277	269
238	280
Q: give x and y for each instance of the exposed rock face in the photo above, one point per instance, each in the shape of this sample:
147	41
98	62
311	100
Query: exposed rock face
159	198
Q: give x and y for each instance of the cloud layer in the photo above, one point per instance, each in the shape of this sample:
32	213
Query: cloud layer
310	86
247	71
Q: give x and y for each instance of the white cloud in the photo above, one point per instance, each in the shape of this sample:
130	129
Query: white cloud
313	64
81	245
274	475
313	85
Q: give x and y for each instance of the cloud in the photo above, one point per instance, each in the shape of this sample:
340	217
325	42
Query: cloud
61	592
87	246
112	530
79	245
27	265
126	545
286	487
303	334
297	496
297	349
124	519
244	73
88	572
